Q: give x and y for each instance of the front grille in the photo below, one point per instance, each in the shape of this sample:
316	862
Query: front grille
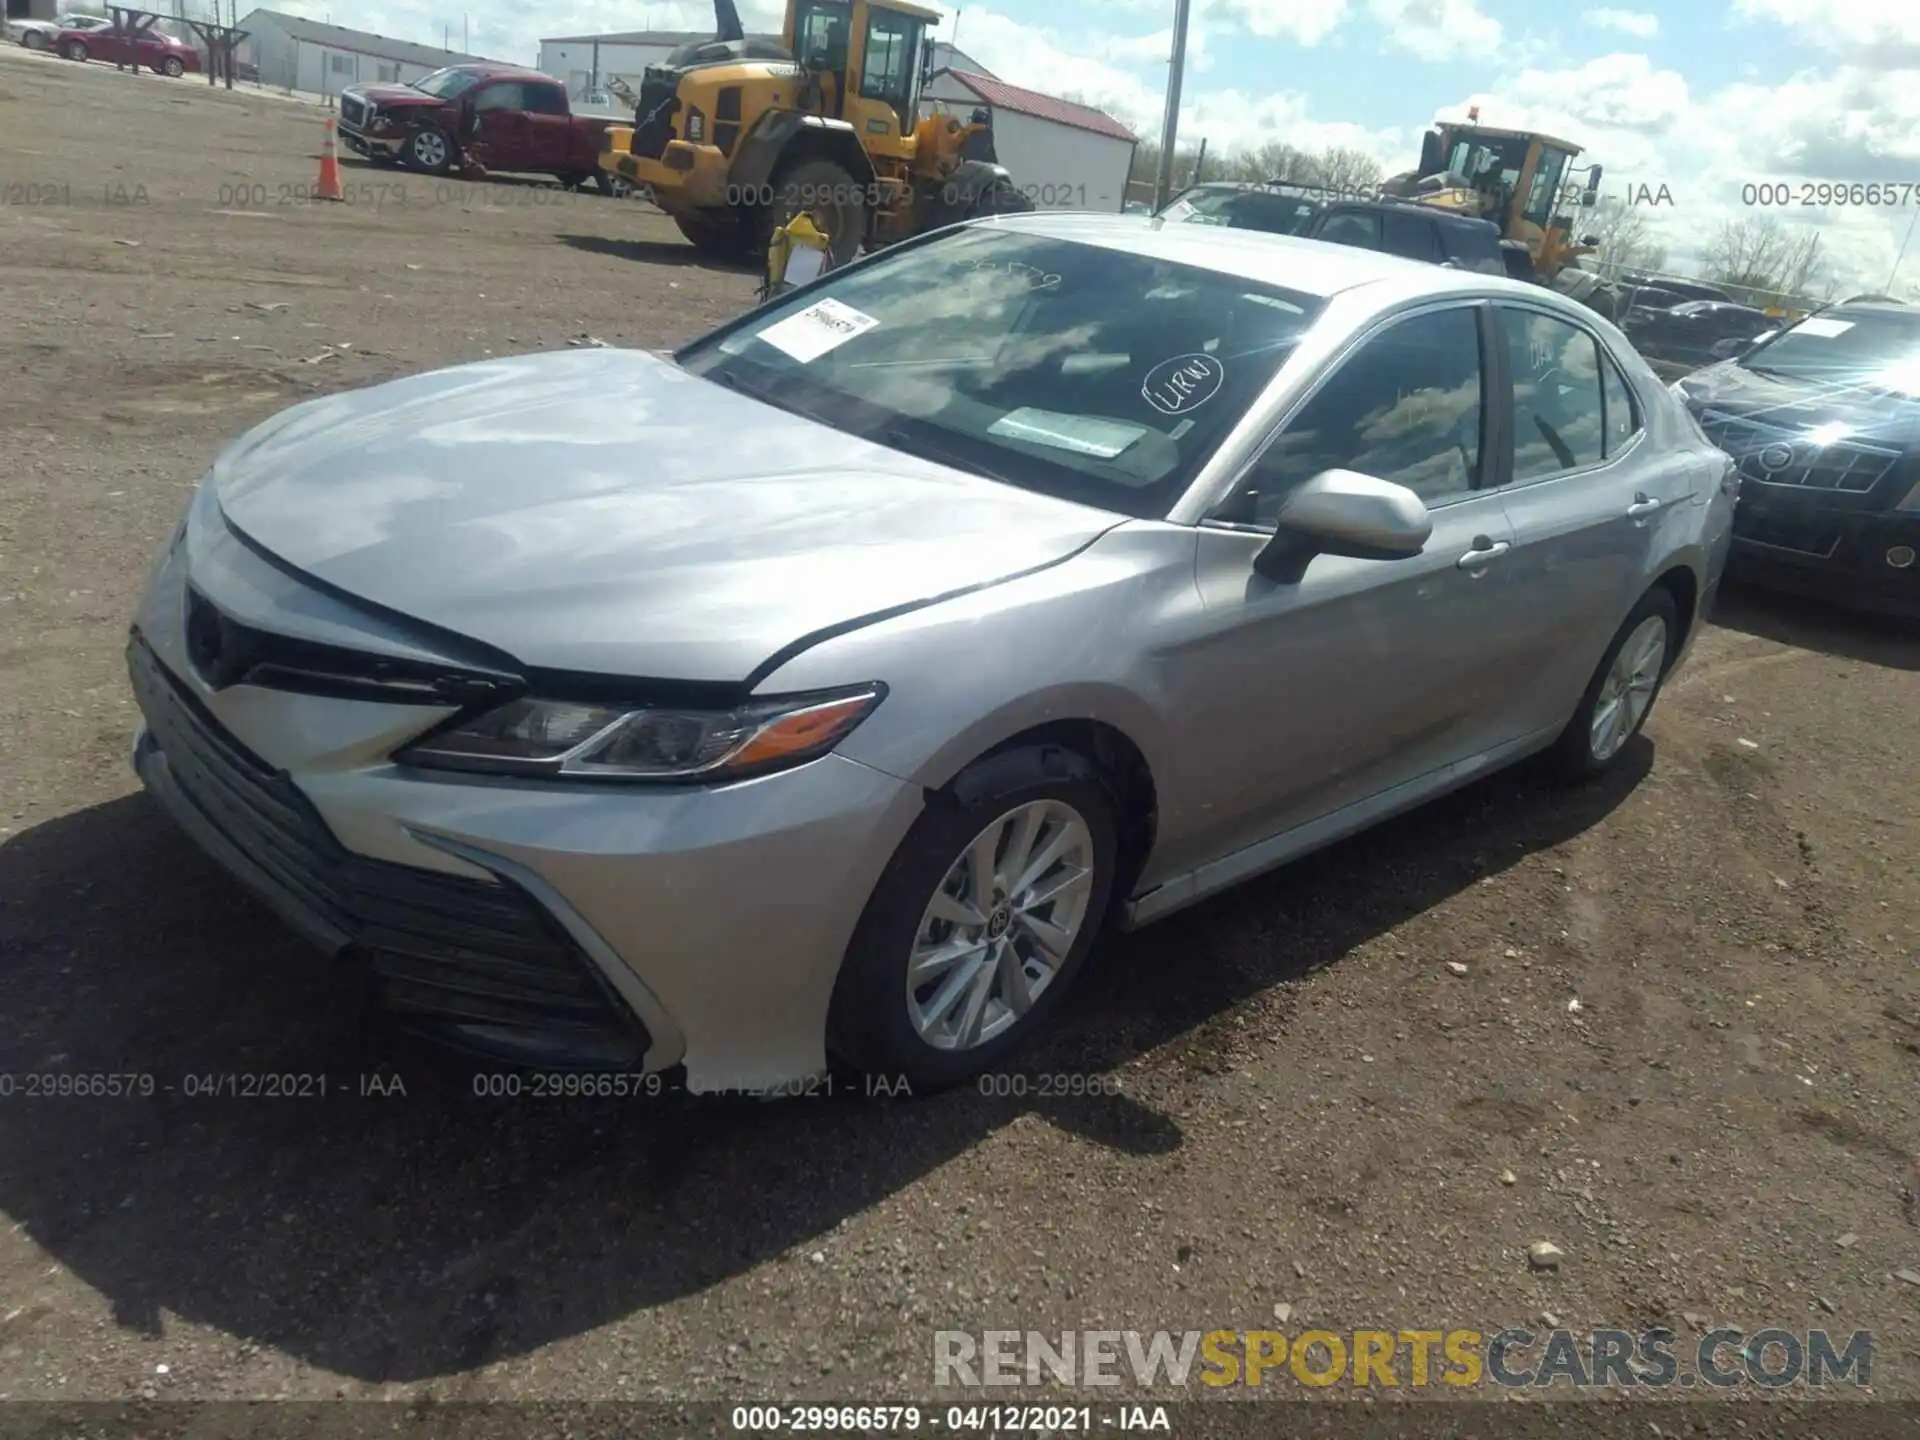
1775	455
465	953
653	115
352	111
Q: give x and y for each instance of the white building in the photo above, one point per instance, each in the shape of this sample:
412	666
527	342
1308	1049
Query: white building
1064	155
298	54
589	63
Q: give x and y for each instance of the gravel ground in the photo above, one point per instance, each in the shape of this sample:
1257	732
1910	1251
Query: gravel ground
1359	1089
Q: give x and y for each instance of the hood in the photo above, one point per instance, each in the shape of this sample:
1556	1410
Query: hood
391	97
605	511
1876	416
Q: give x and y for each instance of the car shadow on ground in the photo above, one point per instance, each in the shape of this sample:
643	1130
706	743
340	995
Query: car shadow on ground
394	1237
656	252
1807	624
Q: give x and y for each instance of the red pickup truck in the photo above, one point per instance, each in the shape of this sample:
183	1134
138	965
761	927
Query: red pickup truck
475	118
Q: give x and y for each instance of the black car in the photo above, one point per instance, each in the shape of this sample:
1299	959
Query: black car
1417	232
1824	420
1692	332
1679	289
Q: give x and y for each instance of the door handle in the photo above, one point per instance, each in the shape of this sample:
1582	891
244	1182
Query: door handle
1642	507
1482	556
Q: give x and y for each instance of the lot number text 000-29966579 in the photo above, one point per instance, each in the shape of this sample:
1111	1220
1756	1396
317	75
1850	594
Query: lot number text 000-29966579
1887	195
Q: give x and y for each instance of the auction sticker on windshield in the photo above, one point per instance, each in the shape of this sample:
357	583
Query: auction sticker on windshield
1823	329
822	326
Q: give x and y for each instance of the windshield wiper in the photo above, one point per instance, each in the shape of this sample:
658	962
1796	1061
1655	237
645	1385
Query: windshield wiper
921	449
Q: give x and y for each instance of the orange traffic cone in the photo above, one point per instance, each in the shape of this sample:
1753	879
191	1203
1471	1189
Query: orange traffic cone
328	186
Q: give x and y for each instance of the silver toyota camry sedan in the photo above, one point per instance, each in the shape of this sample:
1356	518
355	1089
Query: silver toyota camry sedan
824	688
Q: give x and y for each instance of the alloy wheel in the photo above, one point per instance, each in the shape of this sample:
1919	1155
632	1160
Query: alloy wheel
1629	688
1000	925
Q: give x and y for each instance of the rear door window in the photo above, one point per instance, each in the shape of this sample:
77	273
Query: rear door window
1350	227
1558	412
1414	236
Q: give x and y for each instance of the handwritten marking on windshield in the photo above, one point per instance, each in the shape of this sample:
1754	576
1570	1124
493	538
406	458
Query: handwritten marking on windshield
1031	276
1183	383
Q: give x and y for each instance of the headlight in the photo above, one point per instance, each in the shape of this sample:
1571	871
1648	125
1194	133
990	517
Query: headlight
696	126
572	740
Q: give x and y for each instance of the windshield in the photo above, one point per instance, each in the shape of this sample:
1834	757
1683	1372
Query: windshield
445	84
1248	209
1853	349
1076	370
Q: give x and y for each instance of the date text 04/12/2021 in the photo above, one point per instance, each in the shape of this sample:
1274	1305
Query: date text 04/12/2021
199	1085
953	1419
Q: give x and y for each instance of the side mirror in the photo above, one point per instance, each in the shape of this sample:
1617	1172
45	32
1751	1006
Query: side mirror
1342	512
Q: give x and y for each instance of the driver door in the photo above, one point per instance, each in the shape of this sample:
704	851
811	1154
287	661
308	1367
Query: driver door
1293	701
499	139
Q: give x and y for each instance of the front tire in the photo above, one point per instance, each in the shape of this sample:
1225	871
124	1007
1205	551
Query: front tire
727	240
76	50
830	197
34	40
982	920
428	151
171	67
1621	694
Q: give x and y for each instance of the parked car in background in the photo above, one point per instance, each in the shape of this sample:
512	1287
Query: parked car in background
44	34
153	49
1823	419
1684	289
924	642
1694	332
491	117
1415	232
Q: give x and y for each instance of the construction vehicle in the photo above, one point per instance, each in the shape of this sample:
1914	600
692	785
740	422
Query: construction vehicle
734	137
1520	180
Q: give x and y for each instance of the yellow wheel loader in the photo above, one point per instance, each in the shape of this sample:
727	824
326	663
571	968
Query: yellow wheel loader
1519	179
734	137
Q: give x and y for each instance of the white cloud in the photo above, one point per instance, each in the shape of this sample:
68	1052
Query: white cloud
1628	22
1438	29
1306	22
1883	34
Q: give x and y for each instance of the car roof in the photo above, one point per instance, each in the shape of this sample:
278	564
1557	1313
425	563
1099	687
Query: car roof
1872	307
1312	267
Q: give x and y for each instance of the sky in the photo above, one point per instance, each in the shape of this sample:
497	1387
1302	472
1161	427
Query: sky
1705	98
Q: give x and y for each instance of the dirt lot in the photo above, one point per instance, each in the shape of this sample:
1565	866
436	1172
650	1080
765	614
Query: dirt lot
1316	1105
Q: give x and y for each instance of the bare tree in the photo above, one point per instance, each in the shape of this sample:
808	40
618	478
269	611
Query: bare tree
1345	169
1624	240
1767	259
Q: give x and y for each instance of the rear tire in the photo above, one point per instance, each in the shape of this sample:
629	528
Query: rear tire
827	193
876	1018
614	187
34	40
1623	690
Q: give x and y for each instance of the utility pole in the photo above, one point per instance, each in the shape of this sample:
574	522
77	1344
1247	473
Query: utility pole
1894	273
1170	126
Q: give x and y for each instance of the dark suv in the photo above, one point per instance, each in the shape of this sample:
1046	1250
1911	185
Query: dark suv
1824	419
1418	232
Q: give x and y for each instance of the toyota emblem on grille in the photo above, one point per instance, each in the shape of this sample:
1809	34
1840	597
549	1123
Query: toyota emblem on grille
1776	458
